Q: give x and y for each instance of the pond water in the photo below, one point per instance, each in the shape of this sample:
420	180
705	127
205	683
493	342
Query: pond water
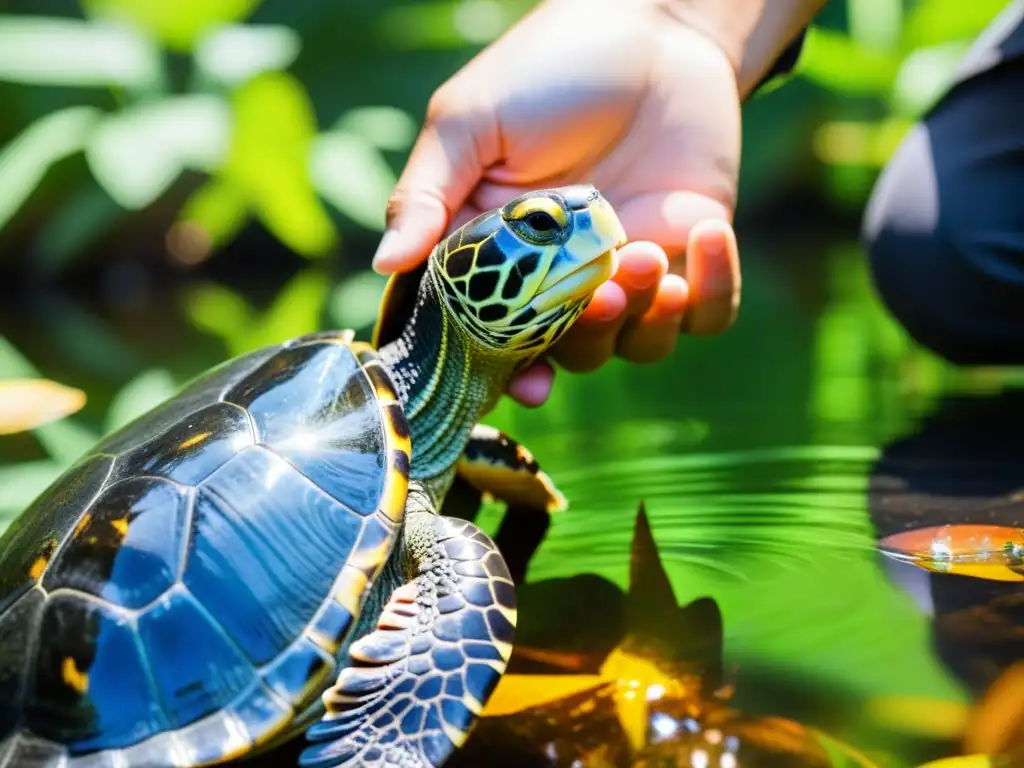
769	461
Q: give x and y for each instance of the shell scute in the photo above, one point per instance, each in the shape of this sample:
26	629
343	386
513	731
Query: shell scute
127	548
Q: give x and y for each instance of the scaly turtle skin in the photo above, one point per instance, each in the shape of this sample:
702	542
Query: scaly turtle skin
263	550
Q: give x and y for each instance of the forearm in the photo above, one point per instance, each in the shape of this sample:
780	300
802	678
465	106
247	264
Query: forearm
753	33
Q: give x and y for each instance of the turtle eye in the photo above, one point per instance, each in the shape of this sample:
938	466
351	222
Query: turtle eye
542	222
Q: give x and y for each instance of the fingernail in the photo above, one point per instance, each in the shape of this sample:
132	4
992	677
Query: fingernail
384	257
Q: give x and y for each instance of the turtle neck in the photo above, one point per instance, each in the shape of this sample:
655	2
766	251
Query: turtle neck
445	382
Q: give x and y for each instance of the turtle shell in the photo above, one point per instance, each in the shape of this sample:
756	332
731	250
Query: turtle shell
180	595
396	305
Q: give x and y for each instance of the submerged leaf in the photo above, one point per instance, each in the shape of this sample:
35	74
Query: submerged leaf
27	404
996	725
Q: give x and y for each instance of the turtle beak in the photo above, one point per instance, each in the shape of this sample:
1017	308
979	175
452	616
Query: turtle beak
587	259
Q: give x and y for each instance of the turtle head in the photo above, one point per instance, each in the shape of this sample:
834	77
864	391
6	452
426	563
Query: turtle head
517	277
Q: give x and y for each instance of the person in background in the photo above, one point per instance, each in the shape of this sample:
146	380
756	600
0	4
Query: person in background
642	98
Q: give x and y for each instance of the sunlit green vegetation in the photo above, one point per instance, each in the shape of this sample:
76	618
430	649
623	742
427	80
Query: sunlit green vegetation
187	123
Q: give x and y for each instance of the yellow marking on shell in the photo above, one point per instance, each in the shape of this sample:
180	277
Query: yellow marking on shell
38	567
322	641
455	735
86	518
350	588
74	679
470	702
193	441
540	204
120	525
512	614
392	501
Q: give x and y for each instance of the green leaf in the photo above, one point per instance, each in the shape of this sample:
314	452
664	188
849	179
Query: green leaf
222	313
356	301
296	310
25	161
269	159
837	62
177	23
386	128
351	174
211	216
924	77
22	483
234	54
144	392
931	22
69	52
138	153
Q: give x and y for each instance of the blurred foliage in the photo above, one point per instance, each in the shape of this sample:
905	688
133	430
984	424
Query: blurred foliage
210	115
885	70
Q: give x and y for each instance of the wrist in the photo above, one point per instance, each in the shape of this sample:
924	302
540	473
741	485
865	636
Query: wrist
753	34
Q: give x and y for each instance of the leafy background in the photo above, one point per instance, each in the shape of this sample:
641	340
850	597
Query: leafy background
184	180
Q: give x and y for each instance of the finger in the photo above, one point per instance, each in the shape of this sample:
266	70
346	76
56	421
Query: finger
667	218
533	386
443	168
640	269
713	275
590	342
653	336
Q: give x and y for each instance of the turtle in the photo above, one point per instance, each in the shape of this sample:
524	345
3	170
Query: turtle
262	555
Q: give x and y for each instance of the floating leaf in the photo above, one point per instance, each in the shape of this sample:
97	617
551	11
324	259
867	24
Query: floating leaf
992	552
26	404
919	716
269	161
25	161
144	392
233	54
69	52
352	175
177	23
138	153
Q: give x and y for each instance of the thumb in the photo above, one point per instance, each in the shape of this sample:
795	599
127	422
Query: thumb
444	167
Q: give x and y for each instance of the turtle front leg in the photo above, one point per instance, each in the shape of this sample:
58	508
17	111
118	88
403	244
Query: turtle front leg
498	466
421	678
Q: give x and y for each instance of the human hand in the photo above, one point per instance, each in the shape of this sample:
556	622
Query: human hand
618	94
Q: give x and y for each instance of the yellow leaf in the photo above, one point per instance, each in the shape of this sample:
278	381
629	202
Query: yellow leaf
919	716
516	693
30	403
966	761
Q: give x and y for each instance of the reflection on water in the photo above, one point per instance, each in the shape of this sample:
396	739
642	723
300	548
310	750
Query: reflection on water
770	461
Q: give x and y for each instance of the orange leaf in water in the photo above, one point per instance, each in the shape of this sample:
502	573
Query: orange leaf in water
967	761
998	719
29	403
992	552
